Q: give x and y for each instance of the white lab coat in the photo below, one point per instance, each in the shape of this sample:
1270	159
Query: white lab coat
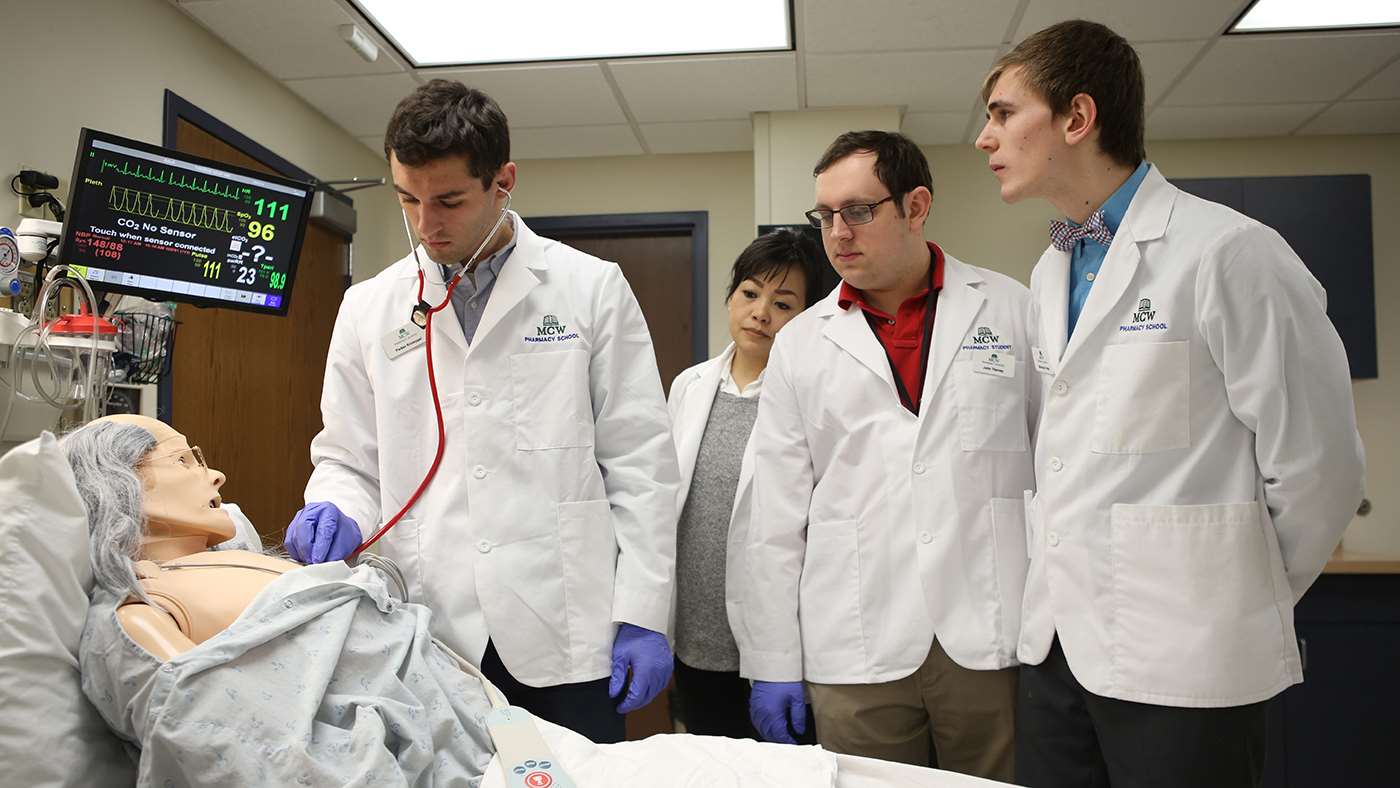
692	396
1197	461
552	515
873	529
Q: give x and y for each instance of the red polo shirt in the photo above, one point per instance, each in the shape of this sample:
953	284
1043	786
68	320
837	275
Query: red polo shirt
907	334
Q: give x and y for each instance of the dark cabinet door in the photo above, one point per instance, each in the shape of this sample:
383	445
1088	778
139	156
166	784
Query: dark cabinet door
1341	726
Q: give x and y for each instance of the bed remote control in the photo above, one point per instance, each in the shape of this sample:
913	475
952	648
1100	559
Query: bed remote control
525	758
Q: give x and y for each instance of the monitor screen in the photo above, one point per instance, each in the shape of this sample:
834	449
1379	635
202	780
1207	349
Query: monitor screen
148	221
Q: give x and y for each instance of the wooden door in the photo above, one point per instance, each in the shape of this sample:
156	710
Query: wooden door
246	387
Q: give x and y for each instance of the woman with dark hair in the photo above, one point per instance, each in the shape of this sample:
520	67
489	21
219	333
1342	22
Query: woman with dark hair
713	407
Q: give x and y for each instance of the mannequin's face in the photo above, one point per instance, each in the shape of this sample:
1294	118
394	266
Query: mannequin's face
181	495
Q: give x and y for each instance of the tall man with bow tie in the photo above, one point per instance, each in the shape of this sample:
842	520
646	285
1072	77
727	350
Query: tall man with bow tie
1197	459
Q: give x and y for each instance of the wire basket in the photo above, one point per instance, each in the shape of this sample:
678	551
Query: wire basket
143	342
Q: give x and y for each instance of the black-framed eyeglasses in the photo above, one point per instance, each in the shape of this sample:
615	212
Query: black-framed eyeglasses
860	213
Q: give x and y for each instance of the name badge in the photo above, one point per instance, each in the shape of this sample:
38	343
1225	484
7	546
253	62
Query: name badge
994	362
403	339
1042	361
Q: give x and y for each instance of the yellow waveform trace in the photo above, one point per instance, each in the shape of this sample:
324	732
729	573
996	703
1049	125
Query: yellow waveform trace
169	209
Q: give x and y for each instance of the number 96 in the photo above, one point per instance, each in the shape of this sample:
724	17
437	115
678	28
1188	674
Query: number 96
263	230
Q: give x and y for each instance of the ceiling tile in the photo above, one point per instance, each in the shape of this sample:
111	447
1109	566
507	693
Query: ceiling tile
935	128
1253	120
709	136
710	88
1140	20
1357	117
1163	62
565	142
1385	85
934	81
1283	69
292	40
360	105
576	94
888	25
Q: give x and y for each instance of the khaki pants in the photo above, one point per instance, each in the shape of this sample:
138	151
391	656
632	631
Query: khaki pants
966	716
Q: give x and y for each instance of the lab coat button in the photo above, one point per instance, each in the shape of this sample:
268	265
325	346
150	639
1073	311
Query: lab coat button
1056	465
925	537
484	546
1053	538
1061	387
474	399
918	467
480	471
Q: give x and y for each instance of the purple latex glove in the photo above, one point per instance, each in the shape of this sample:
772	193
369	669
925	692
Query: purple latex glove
774	704
648	655
320	532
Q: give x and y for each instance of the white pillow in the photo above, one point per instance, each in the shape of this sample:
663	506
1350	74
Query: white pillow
49	734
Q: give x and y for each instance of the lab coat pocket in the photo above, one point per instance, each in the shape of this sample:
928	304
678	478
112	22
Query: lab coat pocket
551	401
402	545
1009	553
1193	618
589	548
1143	398
829	593
991	408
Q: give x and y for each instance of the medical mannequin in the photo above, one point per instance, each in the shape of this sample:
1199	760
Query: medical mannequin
181	504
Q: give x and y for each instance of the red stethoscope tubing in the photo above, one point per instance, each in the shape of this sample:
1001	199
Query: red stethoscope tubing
432	378
437	409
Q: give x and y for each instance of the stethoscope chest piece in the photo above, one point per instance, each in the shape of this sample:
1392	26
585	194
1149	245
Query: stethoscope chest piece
420	314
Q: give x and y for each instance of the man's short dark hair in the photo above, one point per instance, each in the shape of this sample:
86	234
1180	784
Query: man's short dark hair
447	118
899	164
772	254
1078	56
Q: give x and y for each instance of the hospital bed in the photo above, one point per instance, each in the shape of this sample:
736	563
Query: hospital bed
51	736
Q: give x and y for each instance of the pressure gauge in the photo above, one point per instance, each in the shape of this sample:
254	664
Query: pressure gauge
9	262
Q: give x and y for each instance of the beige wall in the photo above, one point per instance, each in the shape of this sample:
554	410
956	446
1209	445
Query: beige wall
106	65
720	183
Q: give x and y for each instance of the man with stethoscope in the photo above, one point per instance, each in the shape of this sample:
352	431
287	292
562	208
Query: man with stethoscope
493	400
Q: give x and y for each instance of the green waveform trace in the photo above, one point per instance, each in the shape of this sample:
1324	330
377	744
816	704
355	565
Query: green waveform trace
169	209
159	175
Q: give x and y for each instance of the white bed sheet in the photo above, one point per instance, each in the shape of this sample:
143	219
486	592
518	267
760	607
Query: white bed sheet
686	761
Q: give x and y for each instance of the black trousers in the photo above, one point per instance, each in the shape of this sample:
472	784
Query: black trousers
716	703
1068	736
583	708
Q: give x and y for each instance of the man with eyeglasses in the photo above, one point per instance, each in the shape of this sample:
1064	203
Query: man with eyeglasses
887	548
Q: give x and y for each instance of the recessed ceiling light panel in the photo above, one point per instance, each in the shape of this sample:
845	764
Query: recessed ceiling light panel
468	32
1298	15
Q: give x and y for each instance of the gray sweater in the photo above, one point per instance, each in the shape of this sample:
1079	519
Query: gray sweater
703	637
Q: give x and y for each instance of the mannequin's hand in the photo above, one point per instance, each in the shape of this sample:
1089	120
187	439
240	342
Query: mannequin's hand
648	655
320	532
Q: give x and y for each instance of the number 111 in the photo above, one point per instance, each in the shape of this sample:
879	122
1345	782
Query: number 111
272	206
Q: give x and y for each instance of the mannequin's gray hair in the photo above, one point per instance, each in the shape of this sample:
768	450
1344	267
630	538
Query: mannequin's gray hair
104	457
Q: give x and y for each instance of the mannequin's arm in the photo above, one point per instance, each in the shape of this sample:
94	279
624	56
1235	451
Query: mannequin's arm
154	630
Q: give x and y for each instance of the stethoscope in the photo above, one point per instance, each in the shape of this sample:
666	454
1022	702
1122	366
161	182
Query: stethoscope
423	318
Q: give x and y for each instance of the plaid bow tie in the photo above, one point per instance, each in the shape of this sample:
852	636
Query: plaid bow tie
1063	234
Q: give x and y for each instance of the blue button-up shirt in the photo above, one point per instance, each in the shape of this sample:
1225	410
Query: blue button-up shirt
470	295
1087	255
